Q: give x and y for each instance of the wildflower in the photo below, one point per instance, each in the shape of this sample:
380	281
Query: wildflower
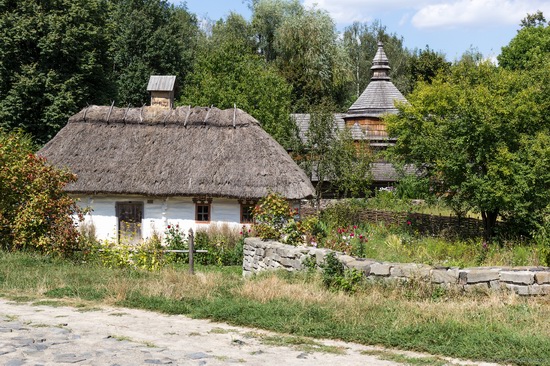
169	226
240	233
360	236
354	227
408	222
351	235
249	230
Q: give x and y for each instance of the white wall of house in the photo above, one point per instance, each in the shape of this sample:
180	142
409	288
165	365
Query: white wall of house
158	213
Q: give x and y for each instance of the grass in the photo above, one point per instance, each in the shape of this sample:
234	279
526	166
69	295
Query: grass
500	328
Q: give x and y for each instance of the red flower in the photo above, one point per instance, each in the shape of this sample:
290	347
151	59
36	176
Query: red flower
354	227
168	226
240	232
408	222
351	234
360	236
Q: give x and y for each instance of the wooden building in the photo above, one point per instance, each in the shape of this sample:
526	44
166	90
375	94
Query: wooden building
364	117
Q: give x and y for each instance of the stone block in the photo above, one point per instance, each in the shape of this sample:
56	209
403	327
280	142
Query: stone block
518	289
444	275
471	276
495	285
542	277
410	270
362	266
539	289
345	259
380	269
518	277
477	287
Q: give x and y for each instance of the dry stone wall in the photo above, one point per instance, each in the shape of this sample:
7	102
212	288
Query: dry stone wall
262	255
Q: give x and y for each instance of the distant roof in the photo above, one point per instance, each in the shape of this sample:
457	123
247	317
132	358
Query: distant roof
176	152
379	96
161	83
357	133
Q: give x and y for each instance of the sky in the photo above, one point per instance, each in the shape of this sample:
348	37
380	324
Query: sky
448	26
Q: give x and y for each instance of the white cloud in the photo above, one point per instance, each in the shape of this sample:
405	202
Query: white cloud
433	13
476	13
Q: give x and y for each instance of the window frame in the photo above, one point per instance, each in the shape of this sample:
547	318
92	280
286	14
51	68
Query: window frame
242	205
203	202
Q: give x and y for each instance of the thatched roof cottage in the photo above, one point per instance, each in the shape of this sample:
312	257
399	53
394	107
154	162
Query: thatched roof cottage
140	169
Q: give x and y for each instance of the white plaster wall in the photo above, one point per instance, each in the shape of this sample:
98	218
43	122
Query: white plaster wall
158	214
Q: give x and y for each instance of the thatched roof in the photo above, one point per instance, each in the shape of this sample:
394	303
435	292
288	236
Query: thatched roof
174	152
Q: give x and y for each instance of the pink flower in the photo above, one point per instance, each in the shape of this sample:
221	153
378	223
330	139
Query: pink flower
360	236
240	232
408	222
351	234
354	227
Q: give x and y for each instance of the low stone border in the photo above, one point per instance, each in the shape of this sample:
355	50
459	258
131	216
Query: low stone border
262	255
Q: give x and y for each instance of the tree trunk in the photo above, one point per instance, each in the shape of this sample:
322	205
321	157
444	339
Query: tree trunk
489	223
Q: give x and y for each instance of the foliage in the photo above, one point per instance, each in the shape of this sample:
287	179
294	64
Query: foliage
35	212
274	219
148	37
478	132
227	72
333	158
336	277
52	62
310	59
427	64
224	245
530	47
148	255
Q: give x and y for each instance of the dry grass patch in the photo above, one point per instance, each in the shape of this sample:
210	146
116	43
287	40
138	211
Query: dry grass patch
269	287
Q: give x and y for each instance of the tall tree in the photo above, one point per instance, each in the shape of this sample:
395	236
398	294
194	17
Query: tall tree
427	64
479	132
228	72
52	62
148	37
311	60
530	47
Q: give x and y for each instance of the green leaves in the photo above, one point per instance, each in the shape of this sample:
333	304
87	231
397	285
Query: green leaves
476	131
35	212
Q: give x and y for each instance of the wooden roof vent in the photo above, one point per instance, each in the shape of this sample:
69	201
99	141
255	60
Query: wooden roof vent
161	88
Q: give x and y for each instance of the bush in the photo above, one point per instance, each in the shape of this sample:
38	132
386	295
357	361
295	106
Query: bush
35	212
224	245
274	219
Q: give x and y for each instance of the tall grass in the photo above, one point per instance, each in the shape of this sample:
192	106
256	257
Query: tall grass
413	316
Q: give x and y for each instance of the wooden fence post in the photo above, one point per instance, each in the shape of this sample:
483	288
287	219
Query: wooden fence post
191	251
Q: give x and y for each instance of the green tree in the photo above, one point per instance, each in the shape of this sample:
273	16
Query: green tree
311	60
35	212
267	17
148	37
52	62
227	72
479	134
530	47
333	158
427	64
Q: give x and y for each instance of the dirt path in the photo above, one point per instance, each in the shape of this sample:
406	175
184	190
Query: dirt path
46	335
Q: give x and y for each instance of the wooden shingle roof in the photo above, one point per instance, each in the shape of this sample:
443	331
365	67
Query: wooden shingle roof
380	95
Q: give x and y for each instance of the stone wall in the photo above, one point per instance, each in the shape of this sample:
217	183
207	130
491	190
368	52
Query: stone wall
262	255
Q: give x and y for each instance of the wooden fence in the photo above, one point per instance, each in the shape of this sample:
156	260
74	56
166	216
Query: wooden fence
425	224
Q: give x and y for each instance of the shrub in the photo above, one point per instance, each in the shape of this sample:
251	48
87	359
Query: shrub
274	219
148	255
336	277
35	212
224	245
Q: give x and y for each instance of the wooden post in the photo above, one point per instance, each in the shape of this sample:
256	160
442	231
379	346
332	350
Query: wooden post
191	251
